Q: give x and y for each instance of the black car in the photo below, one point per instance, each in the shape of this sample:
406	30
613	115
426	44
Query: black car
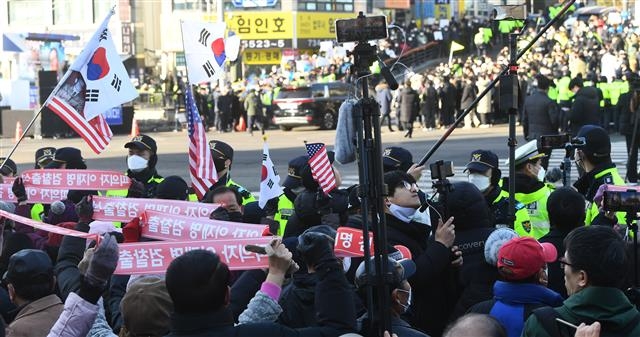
316	104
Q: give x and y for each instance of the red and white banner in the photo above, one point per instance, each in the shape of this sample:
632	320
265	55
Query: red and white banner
155	257
35	195
162	226
8	180
47	227
76	179
125	209
350	242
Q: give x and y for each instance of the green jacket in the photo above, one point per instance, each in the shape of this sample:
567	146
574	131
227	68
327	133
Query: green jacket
285	211
533	194
609	306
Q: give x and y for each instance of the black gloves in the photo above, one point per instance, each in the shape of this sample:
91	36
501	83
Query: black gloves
19	190
136	189
316	249
84	209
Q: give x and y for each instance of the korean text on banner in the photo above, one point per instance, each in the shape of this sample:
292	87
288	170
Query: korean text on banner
162	226
76	179
125	209
350	242
155	257
35	195
46	227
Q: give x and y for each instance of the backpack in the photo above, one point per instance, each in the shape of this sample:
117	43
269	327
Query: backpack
547	318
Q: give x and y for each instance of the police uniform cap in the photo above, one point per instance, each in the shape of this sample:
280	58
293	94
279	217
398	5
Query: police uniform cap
597	141
9	168
221	150
396	158
294	174
142	142
67	155
527	152
482	160
44	155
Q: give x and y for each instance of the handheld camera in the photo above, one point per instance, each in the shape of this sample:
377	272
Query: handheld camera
622	201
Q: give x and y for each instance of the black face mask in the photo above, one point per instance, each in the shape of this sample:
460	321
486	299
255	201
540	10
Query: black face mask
235	216
219	164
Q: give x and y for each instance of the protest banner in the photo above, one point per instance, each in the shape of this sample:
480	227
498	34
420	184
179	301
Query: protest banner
125	209
35	195
76	179
350	242
155	257
162	226
47	227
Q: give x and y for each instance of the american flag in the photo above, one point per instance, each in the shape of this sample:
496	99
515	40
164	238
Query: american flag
203	172
321	169
92	85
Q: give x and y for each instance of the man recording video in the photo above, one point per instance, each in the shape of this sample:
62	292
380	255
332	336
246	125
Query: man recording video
595	159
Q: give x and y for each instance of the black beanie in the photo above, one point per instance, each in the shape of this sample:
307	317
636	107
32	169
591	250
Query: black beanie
566	208
172	188
467	205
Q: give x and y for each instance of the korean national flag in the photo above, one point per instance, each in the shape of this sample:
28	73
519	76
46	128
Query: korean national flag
204	49
106	79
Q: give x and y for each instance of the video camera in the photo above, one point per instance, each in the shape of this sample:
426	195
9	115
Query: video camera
440	170
361	29
564	141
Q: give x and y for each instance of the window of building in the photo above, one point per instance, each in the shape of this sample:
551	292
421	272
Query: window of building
326	5
25	12
72	12
100	10
252	5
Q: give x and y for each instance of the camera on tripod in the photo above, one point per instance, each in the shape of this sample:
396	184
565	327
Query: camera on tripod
361	29
564	141
441	170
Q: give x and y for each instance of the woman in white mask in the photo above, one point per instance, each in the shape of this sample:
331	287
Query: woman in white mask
483	172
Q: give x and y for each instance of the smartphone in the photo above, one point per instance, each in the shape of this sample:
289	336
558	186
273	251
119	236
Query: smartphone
361	29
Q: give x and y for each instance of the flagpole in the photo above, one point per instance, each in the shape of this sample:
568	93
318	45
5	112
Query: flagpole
450	53
33	120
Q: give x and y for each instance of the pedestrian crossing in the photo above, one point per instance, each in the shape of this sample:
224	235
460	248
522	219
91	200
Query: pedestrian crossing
618	156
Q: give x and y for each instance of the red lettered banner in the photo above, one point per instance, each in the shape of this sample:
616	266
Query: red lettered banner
350	242
47	227
125	209
36	195
162	226
76	179
155	257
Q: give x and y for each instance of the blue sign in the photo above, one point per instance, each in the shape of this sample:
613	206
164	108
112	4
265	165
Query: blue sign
114	116
254	3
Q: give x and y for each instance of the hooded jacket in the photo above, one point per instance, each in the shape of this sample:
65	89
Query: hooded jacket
514	302
585	109
609	306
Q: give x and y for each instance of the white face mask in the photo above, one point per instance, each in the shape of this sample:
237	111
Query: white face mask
405	214
541	174
136	163
481	181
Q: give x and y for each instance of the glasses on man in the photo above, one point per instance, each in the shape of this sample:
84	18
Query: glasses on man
563	262
410	186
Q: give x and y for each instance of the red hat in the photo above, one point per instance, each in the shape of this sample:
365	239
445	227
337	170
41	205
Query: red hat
521	258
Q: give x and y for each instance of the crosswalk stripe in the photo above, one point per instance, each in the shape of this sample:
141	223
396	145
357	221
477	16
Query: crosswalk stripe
618	156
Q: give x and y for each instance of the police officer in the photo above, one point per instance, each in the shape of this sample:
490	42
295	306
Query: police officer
67	158
141	166
595	159
222	154
483	172
282	207
44	156
531	189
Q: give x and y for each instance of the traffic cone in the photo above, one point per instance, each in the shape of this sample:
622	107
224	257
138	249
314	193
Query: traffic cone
18	132
134	128
242	125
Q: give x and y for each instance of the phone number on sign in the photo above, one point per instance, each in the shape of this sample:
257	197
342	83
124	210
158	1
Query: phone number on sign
256	44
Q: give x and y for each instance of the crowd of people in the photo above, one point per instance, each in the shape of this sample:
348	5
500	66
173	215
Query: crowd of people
460	261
